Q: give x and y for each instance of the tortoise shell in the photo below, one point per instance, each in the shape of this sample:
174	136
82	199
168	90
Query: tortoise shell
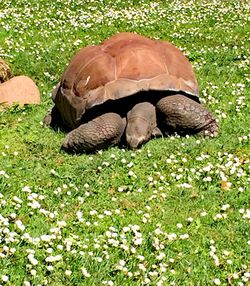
121	66
5	71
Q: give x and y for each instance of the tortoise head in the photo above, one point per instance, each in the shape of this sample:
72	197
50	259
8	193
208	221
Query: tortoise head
141	121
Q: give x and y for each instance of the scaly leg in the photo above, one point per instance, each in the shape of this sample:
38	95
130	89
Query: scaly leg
185	116
96	134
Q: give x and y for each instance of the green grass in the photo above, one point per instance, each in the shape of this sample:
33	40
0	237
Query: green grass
175	212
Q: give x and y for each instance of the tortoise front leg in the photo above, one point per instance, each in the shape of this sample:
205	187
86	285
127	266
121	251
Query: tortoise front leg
97	134
185	116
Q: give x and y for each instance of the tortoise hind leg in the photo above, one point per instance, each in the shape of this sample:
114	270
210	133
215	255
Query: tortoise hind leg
99	133
53	118
185	116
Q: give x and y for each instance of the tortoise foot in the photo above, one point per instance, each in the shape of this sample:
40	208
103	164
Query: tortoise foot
180	114
99	133
211	130
47	119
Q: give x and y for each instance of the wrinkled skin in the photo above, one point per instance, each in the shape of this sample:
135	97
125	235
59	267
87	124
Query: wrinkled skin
141	124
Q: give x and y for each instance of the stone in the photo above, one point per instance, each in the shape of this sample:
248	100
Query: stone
19	90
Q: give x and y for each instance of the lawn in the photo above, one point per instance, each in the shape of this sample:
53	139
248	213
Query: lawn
174	212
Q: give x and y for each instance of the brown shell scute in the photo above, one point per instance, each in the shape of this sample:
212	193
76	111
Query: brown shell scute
5	71
121	66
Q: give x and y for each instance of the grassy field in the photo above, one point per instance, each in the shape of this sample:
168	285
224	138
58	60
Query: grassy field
175	212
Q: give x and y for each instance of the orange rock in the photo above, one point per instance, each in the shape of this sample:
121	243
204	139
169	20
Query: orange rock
19	89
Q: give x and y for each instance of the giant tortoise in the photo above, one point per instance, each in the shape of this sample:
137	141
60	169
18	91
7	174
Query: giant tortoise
5	71
129	87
